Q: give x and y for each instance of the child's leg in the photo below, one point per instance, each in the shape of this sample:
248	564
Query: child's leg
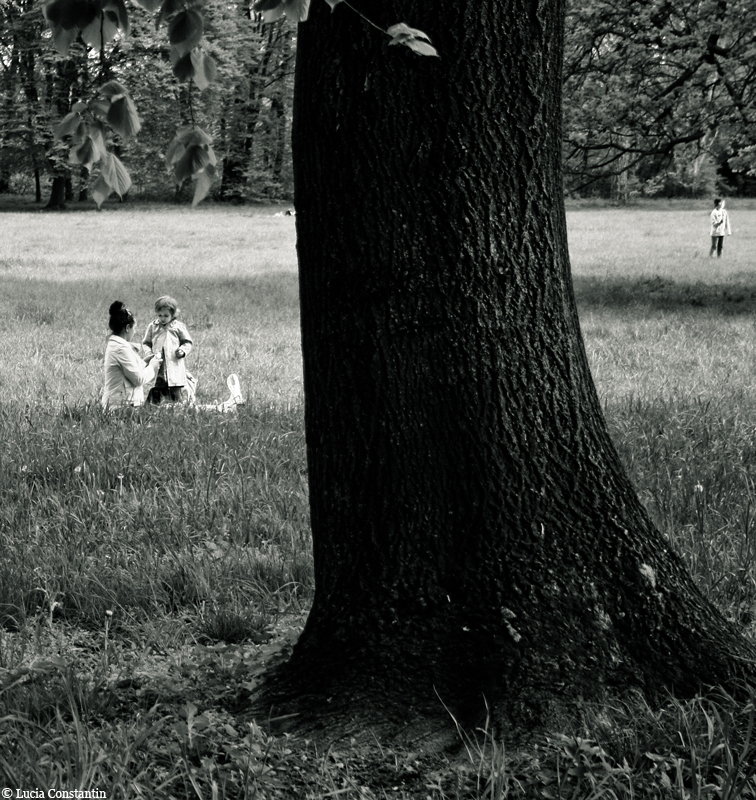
176	394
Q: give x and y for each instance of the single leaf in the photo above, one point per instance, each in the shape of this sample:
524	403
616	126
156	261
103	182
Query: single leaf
205	71
63	38
204	182
185	30
123	118
97	134
113	172
108	170
423	48
118	7
101	31
274	14
68	125
211	68
168	9
402	29
297	10
112	89
79	107
271	10
101	191
84	154
123	179
412	38
183	67
174	152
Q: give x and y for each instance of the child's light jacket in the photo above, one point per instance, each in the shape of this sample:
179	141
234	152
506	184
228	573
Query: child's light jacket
169	338
720	222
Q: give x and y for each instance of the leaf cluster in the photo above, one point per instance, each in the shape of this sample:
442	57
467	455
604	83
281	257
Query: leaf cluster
85	128
298	11
191	157
97	22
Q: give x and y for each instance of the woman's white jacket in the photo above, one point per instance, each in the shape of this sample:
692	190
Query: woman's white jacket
125	374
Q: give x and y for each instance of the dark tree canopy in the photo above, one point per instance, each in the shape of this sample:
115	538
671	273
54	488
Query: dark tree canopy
647	83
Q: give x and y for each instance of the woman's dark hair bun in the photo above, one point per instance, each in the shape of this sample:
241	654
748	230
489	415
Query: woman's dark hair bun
120	317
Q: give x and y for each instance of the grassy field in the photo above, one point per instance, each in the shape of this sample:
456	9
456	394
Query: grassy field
153	564
234	274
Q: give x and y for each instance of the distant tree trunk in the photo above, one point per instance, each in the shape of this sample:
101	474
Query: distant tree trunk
37	186
58	193
83	186
60	87
239	124
476	540
278	145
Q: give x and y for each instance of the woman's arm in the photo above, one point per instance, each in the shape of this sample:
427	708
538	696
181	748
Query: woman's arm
147	338
133	368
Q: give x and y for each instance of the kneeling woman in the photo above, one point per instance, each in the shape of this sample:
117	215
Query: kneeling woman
125	372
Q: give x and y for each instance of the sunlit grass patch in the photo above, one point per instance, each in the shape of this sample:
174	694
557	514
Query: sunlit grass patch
233	273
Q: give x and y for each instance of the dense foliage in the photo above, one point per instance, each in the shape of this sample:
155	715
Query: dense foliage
220	111
657	91
658	97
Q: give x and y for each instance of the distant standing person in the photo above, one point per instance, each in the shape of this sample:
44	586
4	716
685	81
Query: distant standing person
720	224
125	372
169	339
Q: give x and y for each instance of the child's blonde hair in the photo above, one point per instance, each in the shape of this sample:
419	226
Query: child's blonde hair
166	301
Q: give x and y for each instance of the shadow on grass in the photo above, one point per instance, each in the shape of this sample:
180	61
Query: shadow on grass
660	294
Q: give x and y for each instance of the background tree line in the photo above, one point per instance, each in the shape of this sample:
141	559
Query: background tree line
658	100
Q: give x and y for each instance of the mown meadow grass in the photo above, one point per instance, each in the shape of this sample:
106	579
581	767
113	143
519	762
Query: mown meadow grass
153	564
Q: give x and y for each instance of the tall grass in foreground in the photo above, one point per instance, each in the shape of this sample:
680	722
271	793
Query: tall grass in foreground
152	565
151	513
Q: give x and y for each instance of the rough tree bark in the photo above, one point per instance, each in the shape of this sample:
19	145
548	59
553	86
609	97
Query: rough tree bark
476	539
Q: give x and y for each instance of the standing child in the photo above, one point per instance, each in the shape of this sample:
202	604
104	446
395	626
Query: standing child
720	224
169	337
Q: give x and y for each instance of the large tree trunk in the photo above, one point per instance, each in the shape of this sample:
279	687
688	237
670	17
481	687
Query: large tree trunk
475	537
